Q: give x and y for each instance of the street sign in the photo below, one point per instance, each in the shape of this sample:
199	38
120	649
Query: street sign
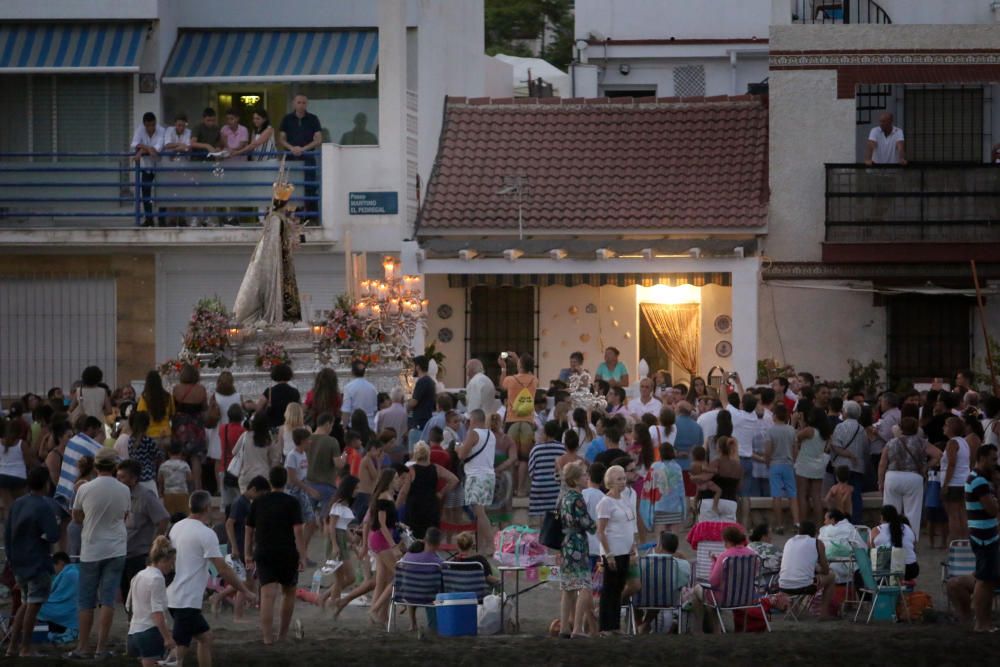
373	203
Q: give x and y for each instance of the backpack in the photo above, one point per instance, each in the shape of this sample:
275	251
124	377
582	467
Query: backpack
524	402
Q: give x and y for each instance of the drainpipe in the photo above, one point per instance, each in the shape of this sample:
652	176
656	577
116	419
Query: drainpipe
732	69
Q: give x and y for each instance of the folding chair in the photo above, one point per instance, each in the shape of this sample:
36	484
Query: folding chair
871	589
659	576
961	562
415	585
738	590
864	532
464	577
800	601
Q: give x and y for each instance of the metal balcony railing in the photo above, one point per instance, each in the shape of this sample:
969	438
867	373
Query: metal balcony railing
107	190
838	11
942	202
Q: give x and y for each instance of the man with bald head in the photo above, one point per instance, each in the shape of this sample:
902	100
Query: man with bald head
480	392
885	143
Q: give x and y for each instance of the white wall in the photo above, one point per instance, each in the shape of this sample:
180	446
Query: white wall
938	12
78	9
660	73
660	19
809	127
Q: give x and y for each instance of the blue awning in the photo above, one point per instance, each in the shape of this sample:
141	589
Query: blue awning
71	47
234	56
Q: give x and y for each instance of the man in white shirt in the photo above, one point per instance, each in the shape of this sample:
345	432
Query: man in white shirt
709	421
177	137
480	392
197	545
147	144
804	568
101	505
645	403
885	143
360	394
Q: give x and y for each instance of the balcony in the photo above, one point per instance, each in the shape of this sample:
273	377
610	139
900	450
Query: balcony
843	12
912	213
82	195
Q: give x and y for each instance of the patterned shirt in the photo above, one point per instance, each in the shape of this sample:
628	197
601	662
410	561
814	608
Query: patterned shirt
147	454
982	526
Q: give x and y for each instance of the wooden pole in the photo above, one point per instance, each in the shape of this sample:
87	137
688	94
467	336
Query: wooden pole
986	337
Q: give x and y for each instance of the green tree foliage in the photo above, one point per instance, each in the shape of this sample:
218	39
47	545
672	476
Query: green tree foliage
510	24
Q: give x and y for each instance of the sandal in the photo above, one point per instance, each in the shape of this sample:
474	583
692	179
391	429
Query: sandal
76	655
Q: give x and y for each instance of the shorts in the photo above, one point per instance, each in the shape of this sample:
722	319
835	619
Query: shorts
99	582
36	589
175	503
479	490
522	433
955	494
377	542
188	624
278	568
690	488
305	504
782	476
360	506
987	561
146	644
12	483
326	493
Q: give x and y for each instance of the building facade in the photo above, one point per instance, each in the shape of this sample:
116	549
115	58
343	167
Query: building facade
78	78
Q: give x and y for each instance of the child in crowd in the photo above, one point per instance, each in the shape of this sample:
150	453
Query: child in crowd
352	452
297	465
338	529
236	522
175	479
839	495
453	426
229	435
148	635
702	475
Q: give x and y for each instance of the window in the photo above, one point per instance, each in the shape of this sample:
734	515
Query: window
77	113
689	81
943	124
501	319
929	336
649	349
630	92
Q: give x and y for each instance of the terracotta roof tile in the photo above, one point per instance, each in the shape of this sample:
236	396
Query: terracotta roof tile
603	165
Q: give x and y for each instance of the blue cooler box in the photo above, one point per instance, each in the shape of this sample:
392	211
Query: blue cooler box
456	614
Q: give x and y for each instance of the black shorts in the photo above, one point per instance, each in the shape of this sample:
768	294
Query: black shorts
188	624
146	644
987	562
955	494
282	568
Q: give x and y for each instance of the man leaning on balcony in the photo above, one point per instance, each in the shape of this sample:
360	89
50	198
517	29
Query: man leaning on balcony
885	143
147	143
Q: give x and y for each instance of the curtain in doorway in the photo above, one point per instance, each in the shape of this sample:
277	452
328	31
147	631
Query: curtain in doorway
677	329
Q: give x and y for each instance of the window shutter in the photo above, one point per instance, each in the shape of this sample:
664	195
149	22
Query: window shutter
94	113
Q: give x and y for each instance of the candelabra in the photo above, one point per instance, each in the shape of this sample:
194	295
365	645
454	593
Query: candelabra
391	309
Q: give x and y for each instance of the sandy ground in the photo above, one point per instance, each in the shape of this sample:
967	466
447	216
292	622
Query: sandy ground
352	640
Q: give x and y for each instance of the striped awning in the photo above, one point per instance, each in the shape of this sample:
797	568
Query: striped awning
234	56
71	47
592	279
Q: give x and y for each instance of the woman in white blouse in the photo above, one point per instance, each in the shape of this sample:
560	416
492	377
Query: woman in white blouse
616	525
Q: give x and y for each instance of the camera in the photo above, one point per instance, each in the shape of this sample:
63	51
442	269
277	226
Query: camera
504	355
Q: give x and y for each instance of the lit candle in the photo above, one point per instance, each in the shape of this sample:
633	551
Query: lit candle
423	306
394	306
389	265
376	309
365	287
383	290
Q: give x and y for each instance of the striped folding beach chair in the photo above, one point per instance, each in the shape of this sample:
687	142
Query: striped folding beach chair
464	577
739	589
659	576
961	562
415	585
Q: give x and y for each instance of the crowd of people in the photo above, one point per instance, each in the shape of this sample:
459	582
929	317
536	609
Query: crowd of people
123	488
299	133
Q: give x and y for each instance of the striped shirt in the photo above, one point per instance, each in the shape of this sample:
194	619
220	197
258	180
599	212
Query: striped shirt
982	526
544	483
78	446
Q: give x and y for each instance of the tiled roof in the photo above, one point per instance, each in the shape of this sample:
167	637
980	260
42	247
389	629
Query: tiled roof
600	164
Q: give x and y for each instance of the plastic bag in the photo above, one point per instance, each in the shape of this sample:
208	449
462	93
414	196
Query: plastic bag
488	615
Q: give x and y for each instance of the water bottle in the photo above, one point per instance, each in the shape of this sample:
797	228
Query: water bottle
317	581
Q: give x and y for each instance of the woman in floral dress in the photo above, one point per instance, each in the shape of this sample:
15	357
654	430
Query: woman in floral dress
575	569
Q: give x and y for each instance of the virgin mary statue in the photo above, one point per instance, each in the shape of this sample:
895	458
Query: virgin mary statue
269	293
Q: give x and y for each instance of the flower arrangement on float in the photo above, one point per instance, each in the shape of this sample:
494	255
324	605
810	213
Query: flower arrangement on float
272	354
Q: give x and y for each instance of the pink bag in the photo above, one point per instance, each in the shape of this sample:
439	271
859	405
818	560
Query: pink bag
518	546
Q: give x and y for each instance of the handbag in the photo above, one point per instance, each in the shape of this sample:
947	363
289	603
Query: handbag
551	534
235	466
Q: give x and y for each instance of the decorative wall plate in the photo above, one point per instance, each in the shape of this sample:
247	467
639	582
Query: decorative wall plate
444	311
723	324
445	335
723	348
591	308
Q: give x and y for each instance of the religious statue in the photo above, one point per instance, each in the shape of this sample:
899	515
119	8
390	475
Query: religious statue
269	293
